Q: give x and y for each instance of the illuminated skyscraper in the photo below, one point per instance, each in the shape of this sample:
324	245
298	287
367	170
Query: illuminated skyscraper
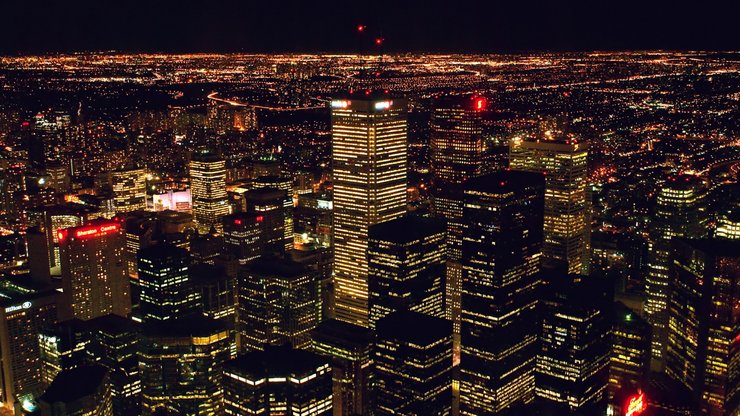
369	175
129	189
94	277
350	350
703	326
244	238
406	263
182	366
24	311
82	391
164	279
413	360
567	205
208	190
278	304
630	354
573	362
278	381
269	206
457	155
678	213
729	225
502	249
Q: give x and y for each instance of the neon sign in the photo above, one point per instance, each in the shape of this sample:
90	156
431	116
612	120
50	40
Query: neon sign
480	104
383	105
340	104
636	405
88	232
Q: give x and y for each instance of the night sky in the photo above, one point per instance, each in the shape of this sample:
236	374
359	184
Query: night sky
28	26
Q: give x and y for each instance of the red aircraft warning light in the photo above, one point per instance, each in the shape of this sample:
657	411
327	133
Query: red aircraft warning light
379	41
636	405
361	28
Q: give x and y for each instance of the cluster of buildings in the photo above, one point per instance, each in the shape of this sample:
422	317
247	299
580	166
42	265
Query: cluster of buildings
486	304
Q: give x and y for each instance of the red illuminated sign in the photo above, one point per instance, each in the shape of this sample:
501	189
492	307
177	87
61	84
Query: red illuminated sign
87	232
636	405
480	104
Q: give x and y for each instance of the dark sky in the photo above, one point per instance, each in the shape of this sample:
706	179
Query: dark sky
33	26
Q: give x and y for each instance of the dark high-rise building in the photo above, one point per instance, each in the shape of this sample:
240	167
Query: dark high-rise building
114	343
502	249
406	266
573	362
94	278
285	185
278	381
166	289
208	190
205	248
278	304
217	291
24	311
369	176
678	212
269	207
243	236
82	391
350	350
181	364
413	360
62	346
563	158
703	323
630	355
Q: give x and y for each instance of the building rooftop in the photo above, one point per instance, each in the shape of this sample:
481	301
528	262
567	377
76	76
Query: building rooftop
275	266
407	229
71	385
413	327
504	181
343	333
276	362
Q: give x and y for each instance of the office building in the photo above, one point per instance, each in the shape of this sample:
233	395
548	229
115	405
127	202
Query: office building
181	363
82	391
62	346
703	333
563	158
164	280
413	360
278	381
269	205
129	189
502	249
369	176
94	278
216	289
679	212
208	190
278	303
349	348
630	353
24	311
244	238
406	266
573	362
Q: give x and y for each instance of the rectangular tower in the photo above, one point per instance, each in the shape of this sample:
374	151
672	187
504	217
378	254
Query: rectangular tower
369	174
208	190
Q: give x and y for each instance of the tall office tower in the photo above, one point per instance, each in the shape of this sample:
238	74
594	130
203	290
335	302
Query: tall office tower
62	346
208	190
502	249
406	267
278	381
181	364
58	176
94	277
703	333
164	279
82	391
728	225
573	362
129	189
140	229
413	359
269	204
24	311
350	350
284	184
278	304
206	248
114	343
369	174
630	354
217	291
567	199
678	213
243	236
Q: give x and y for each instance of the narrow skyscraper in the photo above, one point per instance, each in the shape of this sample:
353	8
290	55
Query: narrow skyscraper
502	249
369	174
208	190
